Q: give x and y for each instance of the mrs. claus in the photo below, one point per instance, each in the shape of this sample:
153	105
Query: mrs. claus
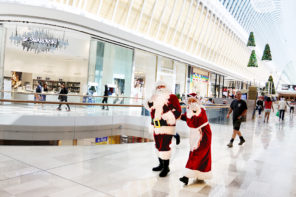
199	162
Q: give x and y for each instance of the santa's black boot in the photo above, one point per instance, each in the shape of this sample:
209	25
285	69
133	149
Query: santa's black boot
159	167
165	169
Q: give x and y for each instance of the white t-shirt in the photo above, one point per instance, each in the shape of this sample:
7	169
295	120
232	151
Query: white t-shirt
282	105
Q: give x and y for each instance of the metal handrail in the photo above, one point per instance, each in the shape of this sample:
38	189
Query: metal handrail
80	95
96	104
69	103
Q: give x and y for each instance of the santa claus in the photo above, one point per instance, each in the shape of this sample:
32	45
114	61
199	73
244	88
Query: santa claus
165	109
199	162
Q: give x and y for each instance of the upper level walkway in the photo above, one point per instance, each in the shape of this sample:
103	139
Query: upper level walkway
263	166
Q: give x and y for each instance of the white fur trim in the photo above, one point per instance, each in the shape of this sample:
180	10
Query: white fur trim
165	130
165	155
198	174
195	138
169	117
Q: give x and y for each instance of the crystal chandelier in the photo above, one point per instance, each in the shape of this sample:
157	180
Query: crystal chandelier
39	40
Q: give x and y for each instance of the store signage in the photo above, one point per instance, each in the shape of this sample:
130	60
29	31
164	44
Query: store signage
101	140
199	77
289	87
47	78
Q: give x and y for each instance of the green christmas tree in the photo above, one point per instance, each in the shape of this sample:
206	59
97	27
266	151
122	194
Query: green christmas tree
253	60
267	54
269	86
251	41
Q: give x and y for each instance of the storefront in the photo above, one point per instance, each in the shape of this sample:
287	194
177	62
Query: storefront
85	64
198	81
38	54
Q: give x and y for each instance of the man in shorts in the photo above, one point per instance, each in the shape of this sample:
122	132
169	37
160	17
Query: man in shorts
239	109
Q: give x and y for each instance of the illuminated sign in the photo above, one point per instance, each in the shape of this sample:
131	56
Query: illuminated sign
101	140
199	77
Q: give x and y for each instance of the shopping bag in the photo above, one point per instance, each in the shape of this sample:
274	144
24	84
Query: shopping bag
277	113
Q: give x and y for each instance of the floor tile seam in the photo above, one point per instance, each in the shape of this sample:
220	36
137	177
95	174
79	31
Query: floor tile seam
73	163
42	170
39	170
89	187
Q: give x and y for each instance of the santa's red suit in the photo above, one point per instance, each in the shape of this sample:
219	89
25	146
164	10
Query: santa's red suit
165	109
199	161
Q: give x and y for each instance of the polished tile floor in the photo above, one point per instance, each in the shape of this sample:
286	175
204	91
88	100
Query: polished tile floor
263	166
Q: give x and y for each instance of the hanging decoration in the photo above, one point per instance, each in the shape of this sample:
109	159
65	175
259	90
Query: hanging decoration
266	54
253	60
251	41
269	86
39	40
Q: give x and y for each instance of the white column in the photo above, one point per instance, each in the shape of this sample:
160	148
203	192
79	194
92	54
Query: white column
128	12
161	17
141	15
203	22
170	20
196	27
152	16
188	32
203	35
114	11
178	20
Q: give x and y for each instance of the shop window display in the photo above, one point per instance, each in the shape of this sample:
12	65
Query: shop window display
110	65
34	61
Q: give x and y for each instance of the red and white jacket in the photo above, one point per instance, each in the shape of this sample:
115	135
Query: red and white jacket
164	110
197	121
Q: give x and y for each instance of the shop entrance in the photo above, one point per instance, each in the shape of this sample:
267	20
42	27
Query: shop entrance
38	57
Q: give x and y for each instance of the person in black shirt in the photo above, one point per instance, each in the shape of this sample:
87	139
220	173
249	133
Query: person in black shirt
63	97
105	99
259	106
239	109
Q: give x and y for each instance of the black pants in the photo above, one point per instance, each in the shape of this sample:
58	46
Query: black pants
282	114
260	110
64	99
291	109
105	100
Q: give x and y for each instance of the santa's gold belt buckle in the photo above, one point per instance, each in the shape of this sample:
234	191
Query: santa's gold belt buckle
156	124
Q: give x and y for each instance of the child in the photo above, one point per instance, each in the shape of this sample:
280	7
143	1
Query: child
199	162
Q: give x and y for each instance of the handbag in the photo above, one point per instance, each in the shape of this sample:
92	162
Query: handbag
277	113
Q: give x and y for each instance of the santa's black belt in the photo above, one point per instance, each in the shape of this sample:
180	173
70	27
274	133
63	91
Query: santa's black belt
159	123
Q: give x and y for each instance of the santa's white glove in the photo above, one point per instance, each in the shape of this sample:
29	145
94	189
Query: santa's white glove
169	117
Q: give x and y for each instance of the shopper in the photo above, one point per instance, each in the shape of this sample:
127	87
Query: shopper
165	109
199	162
292	106
267	108
259	106
239	109
38	92
105	99
45	90
63	97
282	106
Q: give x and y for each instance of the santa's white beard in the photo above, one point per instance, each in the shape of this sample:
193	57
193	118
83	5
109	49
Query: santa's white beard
160	98
193	110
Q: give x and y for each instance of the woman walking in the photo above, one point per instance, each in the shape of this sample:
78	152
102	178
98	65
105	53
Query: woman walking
267	108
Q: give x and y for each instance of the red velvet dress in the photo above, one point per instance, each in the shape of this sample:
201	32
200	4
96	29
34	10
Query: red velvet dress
199	161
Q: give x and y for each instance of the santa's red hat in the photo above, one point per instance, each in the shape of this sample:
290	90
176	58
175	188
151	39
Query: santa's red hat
192	95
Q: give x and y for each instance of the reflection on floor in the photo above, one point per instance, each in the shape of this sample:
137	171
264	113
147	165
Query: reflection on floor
263	166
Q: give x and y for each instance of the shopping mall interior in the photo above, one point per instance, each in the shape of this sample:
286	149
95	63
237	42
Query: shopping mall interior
147	97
